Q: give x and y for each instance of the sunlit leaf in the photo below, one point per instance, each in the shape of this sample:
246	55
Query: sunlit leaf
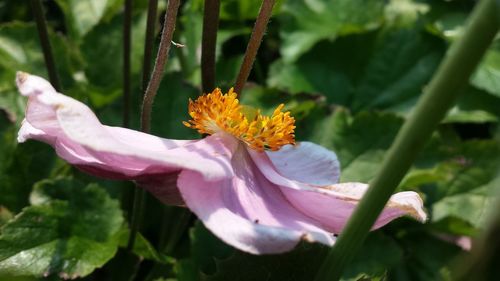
83	15
308	22
70	230
487	75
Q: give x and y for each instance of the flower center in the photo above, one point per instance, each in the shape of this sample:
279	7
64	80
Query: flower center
215	112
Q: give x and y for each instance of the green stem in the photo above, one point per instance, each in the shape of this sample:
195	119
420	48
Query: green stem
182	222
149	96
452	75
43	34
149	41
175	220
137	213
209	40
127	26
266	10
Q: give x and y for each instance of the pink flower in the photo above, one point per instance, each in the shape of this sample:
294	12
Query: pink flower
247	181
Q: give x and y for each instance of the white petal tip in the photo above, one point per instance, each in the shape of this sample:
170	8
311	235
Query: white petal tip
411	203
21	77
30	84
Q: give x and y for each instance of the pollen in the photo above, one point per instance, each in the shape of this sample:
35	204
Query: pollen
217	112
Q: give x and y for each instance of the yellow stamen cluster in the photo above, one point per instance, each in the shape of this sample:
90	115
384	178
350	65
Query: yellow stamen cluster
216	112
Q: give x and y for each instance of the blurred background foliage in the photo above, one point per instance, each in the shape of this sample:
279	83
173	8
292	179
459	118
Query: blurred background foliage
349	70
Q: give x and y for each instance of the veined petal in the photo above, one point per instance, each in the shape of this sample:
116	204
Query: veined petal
332	205
79	138
248	211
306	162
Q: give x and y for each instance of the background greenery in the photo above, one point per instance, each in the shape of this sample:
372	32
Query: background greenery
349	70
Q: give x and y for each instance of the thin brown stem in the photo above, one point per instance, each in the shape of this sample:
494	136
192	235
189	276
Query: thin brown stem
43	33
208	45
149	96
161	60
259	29
127	27
149	41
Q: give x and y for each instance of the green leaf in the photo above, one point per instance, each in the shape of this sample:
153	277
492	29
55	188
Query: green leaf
402	63
69	231
487	75
448	26
469	193
378	255
83	15
405	12
360	142
307	22
102	50
475	106
383	70
22	166
20	51
425	258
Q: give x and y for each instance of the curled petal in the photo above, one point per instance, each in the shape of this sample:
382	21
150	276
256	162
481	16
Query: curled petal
332	205
306	162
249	212
79	138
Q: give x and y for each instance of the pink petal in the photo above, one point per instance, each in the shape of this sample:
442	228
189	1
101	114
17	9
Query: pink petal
464	242
306	162
79	138
332	205
248	211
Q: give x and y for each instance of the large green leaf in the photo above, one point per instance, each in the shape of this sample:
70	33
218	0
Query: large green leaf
402	63
449	26
83	15
103	52
70	230
307	22
384	70
469	193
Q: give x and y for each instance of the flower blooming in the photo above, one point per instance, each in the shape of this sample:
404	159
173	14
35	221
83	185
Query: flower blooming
248	182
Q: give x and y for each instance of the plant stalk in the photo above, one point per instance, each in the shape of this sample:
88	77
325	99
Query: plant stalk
136	217
149	41
43	34
208	45
452	75
161	60
127	41
266	10
149	96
